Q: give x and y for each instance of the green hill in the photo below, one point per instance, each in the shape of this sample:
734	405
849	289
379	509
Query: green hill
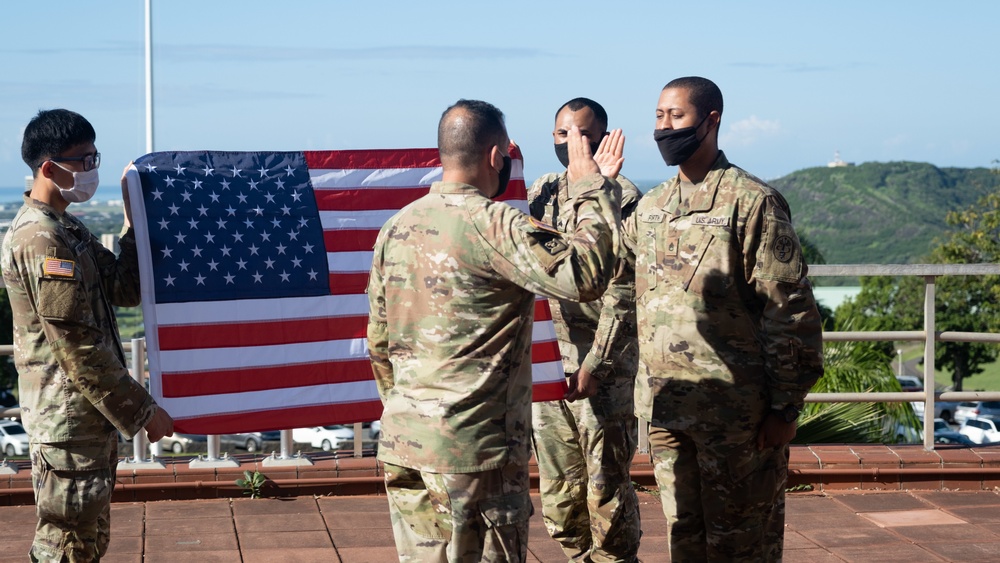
888	213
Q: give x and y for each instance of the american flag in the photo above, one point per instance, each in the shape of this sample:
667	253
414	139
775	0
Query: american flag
254	267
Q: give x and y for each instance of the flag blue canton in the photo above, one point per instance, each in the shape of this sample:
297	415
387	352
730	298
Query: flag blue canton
232	226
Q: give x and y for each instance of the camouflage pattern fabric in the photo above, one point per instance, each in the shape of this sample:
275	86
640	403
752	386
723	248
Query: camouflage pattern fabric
73	486
737	510
459	517
452	291
75	389
728	325
72	376
584	449
451	297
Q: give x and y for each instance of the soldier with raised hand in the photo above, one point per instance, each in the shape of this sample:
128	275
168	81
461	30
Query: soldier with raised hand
75	391
452	293
584	444
730	338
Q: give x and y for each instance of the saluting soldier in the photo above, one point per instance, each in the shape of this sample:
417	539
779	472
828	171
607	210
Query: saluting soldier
584	444
75	390
452	294
729	337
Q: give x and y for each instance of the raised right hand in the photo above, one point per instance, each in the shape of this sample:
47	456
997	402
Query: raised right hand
581	162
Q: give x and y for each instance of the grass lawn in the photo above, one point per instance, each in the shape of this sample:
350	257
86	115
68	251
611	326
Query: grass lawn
988	380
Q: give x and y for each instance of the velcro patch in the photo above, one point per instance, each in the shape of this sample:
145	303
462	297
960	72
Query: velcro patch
783	248
58	267
550	241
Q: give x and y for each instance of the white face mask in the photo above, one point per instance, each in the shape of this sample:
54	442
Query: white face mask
84	185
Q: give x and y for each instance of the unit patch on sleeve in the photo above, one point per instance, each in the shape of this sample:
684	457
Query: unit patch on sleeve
58	267
783	248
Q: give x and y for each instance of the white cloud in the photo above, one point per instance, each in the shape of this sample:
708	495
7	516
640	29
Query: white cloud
746	132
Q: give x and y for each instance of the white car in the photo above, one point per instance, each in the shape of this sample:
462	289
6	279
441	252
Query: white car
326	437
13	438
981	430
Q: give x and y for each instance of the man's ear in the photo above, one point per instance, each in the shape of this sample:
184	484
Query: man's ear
496	159
46	169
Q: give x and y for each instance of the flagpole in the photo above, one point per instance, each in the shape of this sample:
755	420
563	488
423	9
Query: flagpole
149	76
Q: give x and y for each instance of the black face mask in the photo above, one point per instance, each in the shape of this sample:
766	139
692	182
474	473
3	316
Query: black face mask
562	152
504	177
677	145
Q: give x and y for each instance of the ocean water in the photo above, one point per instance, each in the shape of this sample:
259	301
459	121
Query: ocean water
11	195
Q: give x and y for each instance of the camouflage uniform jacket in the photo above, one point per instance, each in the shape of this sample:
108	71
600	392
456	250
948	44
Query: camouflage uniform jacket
598	334
728	326
452	293
62	283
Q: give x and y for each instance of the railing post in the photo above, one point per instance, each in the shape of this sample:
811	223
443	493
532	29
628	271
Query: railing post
139	461
286	458
930	343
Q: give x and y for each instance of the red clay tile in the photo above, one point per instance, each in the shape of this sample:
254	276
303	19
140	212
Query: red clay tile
810	556
184	527
894	551
971	551
956	499
357	537
285	540
252	507
946	534
194	542
359	555
357	467
801	456
272	523
836	536
188	509
203	556
881	502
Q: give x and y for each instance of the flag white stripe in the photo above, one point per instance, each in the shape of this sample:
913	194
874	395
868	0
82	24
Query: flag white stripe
352	220
250	310
352	179
350	262
245	357
271	399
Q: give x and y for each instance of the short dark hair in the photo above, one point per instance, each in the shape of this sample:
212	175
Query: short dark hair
468	129
53	132
576	104
704	94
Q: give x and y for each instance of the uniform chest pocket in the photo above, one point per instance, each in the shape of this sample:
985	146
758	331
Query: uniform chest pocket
708	267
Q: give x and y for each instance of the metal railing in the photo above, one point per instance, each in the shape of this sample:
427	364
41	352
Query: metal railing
929	335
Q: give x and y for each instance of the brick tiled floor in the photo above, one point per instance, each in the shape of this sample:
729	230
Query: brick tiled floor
852	526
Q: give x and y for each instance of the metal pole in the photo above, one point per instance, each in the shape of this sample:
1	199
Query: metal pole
929	345
149	76
139	374
286	444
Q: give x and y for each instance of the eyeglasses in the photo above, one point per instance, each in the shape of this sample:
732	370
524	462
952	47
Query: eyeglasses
90	161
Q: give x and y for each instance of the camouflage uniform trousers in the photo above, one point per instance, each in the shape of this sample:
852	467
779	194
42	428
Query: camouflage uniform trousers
73	484
723	499
459	517
584	451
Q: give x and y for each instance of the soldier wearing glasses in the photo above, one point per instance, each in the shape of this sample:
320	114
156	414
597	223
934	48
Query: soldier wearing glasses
75	391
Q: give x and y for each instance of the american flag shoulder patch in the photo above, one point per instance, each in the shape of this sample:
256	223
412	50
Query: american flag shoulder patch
58	267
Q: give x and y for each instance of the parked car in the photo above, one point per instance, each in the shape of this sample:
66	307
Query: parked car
973	409
184	443
13	438
326	437
981	430
952	437
910	383
249	441
942	409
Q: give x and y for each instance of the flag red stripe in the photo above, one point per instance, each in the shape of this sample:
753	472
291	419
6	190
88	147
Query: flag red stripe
245	380
366	199
542	311
348	284
516	191
261	333
372	159
548	391
542	352
350	240
296	417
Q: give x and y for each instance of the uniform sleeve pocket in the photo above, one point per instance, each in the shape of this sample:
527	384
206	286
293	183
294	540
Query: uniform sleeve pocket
57	298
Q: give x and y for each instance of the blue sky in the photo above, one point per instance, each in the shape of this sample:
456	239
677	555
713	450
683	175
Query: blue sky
878	81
